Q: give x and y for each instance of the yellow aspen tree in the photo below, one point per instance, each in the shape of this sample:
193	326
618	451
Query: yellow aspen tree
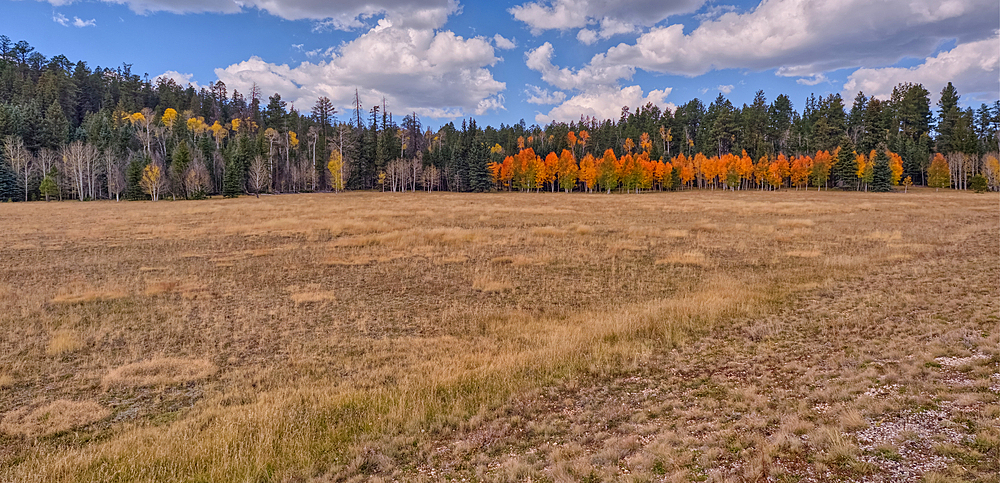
152	181
336	168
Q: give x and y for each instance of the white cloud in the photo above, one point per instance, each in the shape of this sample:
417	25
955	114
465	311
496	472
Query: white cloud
725	89
808	37
77	21
808	81
537	95
605	103
434	73
503	43
339	14
973	67
181	79
608	29
588	77
611	16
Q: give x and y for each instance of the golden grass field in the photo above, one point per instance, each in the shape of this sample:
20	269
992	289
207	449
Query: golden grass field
691	336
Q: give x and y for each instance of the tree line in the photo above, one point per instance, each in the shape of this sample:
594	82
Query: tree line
71	131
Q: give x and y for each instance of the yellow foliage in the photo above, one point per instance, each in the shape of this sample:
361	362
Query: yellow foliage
236	125
336	166
168	118
293	139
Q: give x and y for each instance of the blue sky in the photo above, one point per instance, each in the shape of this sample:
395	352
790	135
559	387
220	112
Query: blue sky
534	60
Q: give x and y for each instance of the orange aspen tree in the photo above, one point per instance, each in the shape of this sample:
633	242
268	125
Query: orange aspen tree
568	170
551	170
607	176
896	165
862	162
939	173
774	177
588	171
801	169
784	167
820	172
760	171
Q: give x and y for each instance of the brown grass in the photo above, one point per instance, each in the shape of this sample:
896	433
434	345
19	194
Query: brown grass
55	417
62	342
501	337
161	371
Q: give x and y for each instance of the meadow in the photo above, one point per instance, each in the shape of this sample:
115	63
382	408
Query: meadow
684	336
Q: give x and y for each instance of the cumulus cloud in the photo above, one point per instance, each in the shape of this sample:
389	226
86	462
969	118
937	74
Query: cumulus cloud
434	73
503	43
590	76
537	95
181	79
599	93
808	37
339	14
610	16
973	67
604	103
726	89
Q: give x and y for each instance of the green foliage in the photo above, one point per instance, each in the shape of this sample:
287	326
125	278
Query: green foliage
8	183
133	175
48	187
845	167
232	181
979	184
882	173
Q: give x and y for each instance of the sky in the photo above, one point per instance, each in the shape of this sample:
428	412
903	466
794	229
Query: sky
536	60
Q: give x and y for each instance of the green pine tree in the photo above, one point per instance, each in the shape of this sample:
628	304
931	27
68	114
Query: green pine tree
232	179
133	175
845	168
882	175
979	184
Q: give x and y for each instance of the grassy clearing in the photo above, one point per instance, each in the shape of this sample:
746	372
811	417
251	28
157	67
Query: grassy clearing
678	336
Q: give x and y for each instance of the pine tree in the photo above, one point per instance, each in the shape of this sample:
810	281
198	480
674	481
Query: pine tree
232	180
8	183
479	174
845	168
133	177
882	175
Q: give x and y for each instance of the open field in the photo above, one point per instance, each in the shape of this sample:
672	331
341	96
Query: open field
692	336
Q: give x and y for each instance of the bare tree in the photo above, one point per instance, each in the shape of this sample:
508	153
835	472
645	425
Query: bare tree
80	162
114	170
259	175
21	161
196	179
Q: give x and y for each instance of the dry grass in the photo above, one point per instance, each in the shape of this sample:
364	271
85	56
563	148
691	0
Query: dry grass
55	417
62	342
161	371
423	337
687	258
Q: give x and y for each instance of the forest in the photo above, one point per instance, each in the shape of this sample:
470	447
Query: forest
69	131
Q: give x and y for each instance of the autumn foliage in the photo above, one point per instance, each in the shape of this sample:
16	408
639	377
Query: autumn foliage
637	171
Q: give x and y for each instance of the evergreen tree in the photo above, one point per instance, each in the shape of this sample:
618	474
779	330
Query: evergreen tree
479	176
179	163
133	177
948	117
232	181
8	183
882	175
845	168
55	127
